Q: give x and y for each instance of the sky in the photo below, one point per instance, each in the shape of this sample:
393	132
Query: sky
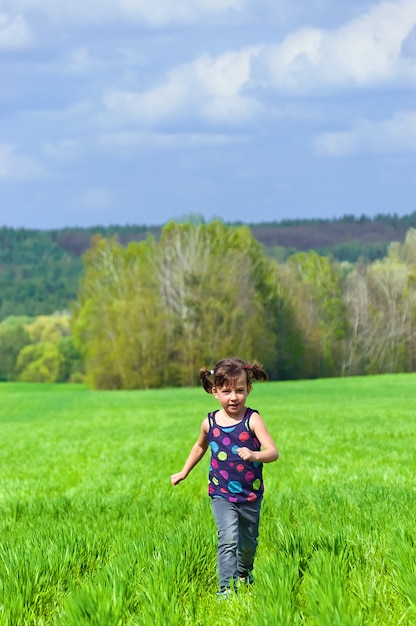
137	112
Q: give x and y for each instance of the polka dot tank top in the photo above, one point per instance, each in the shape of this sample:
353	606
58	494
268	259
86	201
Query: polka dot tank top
229	476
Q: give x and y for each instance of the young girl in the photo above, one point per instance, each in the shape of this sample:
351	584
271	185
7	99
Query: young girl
240	444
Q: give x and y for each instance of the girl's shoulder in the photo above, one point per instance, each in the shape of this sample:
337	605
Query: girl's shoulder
210	419
205	424
252	417
251	414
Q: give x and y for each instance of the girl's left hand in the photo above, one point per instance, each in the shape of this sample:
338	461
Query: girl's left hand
247	455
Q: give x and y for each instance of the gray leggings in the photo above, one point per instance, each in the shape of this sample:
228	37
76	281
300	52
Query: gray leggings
238	529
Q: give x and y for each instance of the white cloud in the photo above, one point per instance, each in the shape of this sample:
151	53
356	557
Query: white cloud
14	32
366	51
397	135
16	167
235	86
208	88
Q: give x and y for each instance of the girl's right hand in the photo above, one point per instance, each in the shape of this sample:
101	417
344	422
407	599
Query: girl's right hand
177	478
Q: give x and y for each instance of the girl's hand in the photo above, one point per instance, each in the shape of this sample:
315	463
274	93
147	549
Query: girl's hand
247	455
177	478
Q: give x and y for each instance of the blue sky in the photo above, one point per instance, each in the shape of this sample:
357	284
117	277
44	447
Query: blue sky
138	112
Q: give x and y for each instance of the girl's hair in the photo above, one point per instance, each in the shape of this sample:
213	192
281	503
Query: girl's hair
228	371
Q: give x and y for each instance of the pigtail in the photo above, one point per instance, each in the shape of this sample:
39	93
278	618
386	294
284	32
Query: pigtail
204	376
256	371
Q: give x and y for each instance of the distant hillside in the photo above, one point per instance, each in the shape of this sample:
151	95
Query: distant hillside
296	235
40	270
346	239
328	234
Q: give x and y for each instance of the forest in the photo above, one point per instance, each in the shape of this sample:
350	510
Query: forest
40	270
136	307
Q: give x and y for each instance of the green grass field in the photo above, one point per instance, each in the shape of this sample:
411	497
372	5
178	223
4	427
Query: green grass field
93	533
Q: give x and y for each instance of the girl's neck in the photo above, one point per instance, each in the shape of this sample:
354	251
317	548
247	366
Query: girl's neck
224	419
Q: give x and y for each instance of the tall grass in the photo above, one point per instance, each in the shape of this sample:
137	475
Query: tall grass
91	531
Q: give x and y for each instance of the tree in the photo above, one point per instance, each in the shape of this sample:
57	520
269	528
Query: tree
49	328
381	300
71	367
13	337
290	345
39	363
311	286
214	282
119	323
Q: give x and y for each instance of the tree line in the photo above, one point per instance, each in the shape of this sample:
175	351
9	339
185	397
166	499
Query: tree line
40	270
150	313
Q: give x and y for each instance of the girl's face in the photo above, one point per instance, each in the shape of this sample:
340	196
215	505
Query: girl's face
232	395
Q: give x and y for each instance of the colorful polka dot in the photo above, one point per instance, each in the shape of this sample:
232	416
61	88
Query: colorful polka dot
226	441
214	463
232	499
251	496
216	432
224	474
240	467
249	477
256	484
234	486
214	446
244	436
215	481
222	455
234	449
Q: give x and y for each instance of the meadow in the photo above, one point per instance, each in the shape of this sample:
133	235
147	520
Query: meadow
92	532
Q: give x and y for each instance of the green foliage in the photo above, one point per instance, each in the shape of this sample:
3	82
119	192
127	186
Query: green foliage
290	346
279	253
153	313
313	287
206	290
13	337
150	313
39	350
92	532
215	286
354	251
37	276
39	363
71	366
40	271
49	328
382	310
119	326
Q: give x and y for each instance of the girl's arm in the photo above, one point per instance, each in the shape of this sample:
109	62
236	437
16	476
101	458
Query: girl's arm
197	452
269	452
